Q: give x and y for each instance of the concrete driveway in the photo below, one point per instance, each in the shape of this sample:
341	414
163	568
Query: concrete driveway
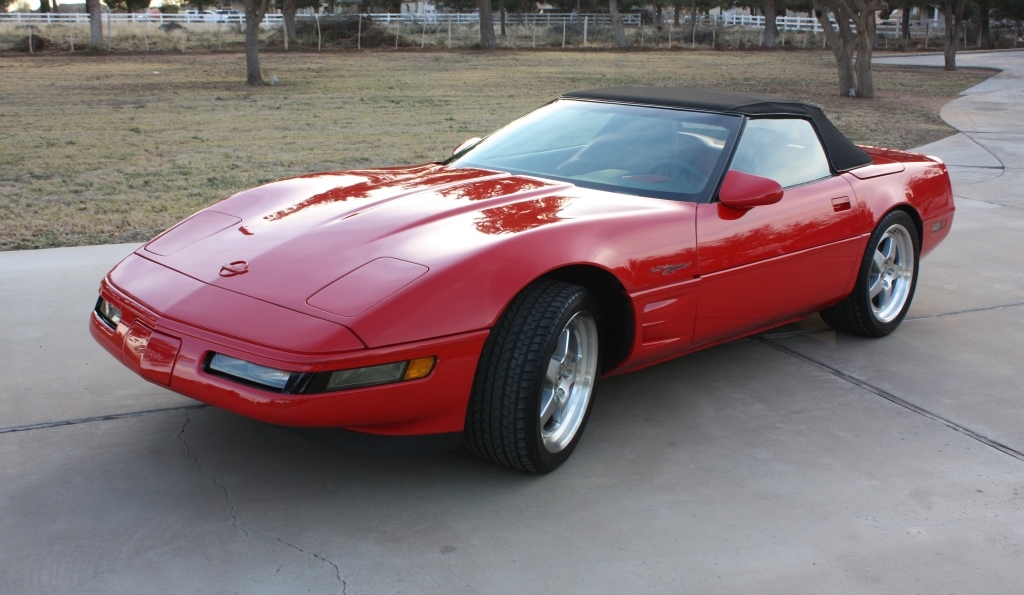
801	461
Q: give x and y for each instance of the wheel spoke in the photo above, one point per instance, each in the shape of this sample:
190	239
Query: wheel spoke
886	247
554	371
878	262
886	296
876	287
548	406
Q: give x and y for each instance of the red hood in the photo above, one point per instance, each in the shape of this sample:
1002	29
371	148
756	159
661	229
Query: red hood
297	236
405	254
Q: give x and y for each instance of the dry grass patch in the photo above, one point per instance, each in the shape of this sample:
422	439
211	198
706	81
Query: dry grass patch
116	149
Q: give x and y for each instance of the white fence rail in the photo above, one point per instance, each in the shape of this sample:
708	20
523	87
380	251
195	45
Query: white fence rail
383	18
885	28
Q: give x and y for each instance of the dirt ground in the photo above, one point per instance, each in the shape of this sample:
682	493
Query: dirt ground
117	148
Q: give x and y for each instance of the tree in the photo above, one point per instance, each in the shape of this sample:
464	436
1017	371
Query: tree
127	5
953	10
288	10
486	25
771	31
95	23
255	10
620	31
984	31
854	76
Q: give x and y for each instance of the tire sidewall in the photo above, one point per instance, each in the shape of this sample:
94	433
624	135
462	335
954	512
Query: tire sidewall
582	302
877	327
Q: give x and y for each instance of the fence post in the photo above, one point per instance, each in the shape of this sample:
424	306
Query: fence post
563	37
71	36
398	29
319	38
110	36
31	45
359	33
585	19
449	32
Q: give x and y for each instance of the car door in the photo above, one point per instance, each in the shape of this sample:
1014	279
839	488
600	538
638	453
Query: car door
772	263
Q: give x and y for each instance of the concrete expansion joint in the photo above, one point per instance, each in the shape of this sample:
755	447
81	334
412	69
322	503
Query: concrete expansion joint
1002	164
966	311
894	399
234	517
988	202
85	420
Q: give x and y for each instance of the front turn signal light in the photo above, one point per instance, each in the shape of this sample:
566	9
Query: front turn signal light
419	368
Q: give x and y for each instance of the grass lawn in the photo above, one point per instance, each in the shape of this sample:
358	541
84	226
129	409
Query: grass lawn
113	149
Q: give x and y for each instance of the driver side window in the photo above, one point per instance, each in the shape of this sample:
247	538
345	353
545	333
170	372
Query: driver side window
785	150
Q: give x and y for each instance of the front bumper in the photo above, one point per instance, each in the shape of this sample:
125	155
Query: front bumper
172	353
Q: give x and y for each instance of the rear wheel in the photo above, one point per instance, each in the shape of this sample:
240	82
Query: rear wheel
885	282
535	381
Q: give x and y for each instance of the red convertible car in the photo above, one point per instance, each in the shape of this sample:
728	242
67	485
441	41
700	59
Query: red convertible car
482	299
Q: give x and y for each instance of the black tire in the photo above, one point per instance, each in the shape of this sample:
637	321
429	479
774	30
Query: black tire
877	316
503	419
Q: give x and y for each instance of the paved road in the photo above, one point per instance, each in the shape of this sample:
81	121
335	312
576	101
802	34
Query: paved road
801	461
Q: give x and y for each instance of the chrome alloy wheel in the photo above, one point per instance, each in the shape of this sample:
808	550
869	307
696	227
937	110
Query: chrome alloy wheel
891	274
568	382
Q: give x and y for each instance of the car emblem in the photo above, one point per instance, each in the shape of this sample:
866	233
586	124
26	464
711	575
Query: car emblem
668	269
231	269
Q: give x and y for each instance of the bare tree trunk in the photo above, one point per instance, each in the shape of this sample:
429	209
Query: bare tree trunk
486	25
44	6
954	13
501	14
95	23
865	45
905	22
620	32
693	19
770	30
842	49
255	10
984	30
677	8
288	10
659	17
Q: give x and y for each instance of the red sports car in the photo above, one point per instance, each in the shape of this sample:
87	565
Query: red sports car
482	299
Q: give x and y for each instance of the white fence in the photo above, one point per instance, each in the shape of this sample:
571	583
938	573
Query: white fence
885	28
382	18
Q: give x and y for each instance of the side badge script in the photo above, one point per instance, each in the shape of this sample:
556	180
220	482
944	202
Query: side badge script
231	269
665	269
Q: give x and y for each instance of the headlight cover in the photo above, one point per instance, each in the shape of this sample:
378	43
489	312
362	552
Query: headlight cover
108	313
305	383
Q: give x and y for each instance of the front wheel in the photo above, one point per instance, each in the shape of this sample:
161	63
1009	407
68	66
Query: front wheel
885	282
536	377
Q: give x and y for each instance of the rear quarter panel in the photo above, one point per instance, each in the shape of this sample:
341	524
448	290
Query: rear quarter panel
923	186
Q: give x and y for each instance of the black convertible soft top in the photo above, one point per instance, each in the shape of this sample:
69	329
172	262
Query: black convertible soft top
843	155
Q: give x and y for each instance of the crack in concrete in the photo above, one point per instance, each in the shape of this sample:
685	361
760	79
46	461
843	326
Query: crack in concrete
234	517
894	399
227	498
337	569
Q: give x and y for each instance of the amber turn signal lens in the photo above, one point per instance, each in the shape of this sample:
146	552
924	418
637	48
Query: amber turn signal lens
419	368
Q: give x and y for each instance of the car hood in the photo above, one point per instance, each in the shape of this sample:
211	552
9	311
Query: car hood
285	241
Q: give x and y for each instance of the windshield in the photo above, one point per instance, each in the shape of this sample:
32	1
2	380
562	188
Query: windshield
647	151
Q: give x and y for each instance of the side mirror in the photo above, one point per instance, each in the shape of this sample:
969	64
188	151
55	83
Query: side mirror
467	144
744	191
